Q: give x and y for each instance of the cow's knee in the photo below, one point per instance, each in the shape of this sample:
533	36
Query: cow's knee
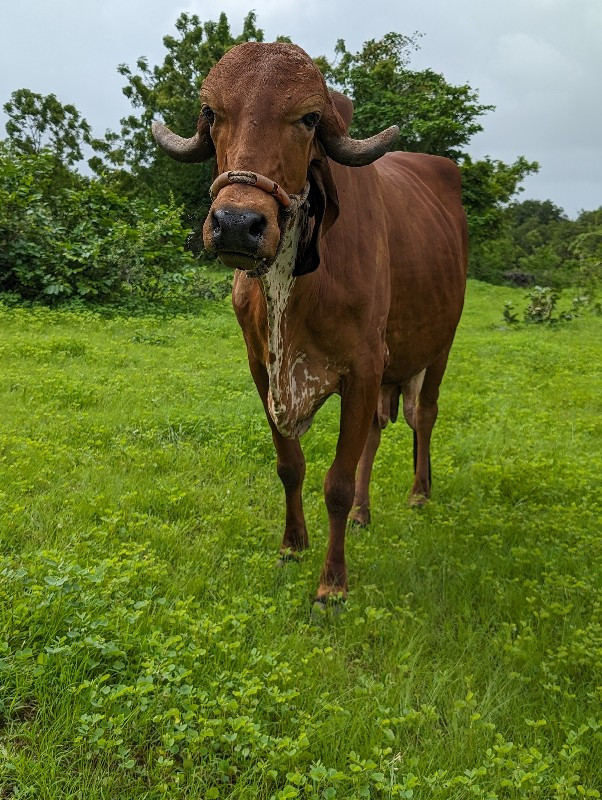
426	415
338	494
291	474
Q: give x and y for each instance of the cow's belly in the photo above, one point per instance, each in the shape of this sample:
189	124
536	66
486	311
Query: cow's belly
413	348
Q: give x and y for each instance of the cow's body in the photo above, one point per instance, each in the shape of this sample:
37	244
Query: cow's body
373	322
393	270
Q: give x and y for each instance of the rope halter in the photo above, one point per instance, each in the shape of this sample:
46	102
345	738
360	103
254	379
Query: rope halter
289	202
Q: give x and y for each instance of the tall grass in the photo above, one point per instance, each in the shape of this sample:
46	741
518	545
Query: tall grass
149	646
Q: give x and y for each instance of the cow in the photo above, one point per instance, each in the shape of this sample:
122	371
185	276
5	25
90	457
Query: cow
350	271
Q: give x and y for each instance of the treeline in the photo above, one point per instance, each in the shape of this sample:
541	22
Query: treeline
536	243
121	233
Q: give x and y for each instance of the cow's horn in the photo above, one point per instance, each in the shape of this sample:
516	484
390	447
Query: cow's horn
357	152
197	148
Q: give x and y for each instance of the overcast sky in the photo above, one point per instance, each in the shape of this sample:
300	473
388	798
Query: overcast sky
538	61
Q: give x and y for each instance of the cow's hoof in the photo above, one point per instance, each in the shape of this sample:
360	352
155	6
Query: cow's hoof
288	557
417	500
359	517
328	606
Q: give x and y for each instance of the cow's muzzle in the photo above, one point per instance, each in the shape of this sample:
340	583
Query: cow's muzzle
237	231
244	237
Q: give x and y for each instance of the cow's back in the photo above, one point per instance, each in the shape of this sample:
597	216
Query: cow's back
428	258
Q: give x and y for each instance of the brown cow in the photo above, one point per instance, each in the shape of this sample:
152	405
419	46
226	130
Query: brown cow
348	281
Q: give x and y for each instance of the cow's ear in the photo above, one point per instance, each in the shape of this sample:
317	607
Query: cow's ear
324	208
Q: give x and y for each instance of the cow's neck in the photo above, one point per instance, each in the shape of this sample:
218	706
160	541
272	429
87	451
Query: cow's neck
286	399
277	286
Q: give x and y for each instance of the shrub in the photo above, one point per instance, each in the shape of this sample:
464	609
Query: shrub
542	305
542	302
87	242
518	278
491	260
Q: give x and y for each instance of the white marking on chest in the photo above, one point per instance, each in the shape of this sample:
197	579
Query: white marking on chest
293	387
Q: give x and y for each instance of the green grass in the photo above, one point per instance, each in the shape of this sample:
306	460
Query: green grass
149	646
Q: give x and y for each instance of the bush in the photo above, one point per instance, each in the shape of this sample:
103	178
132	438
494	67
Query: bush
490	260
542	302
87	242
518	278
542	307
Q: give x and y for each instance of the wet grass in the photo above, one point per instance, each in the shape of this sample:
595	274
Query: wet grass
149	647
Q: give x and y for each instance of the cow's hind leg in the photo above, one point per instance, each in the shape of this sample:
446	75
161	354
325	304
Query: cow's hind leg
290	465
360	512
424	417
388	404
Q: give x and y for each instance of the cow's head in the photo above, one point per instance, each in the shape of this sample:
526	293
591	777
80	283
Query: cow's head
266	112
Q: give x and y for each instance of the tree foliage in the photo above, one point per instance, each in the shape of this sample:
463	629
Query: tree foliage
87	241
64	236
536	243
433	115
487	187
37	122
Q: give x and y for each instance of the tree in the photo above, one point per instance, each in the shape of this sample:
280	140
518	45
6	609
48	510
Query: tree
536	243
487	187
38	121
171	91
433	116
586	247
535	213
87	241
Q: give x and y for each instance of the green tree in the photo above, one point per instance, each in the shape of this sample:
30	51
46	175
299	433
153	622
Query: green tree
535	213
38	121
586	248
433	115
171	91
86	241
536	243
487	187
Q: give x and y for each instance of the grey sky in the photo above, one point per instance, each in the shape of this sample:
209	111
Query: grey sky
538	61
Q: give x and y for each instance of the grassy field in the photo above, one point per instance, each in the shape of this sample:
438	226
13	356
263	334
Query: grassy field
149	646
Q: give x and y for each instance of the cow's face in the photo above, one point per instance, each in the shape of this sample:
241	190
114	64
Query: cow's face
265	109
262	120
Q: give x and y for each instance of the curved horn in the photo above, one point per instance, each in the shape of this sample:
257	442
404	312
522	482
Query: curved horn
357	152
332	132
198	148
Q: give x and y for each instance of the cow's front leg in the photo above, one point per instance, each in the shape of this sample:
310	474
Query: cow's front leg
358	405
291	471
290	465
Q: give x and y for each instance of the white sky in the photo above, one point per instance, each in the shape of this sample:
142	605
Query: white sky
538	61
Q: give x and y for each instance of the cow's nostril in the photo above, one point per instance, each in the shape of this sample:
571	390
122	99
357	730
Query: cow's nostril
257	226
215	223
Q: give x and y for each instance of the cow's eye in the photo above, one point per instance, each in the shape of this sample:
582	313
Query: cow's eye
208	114
311	120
